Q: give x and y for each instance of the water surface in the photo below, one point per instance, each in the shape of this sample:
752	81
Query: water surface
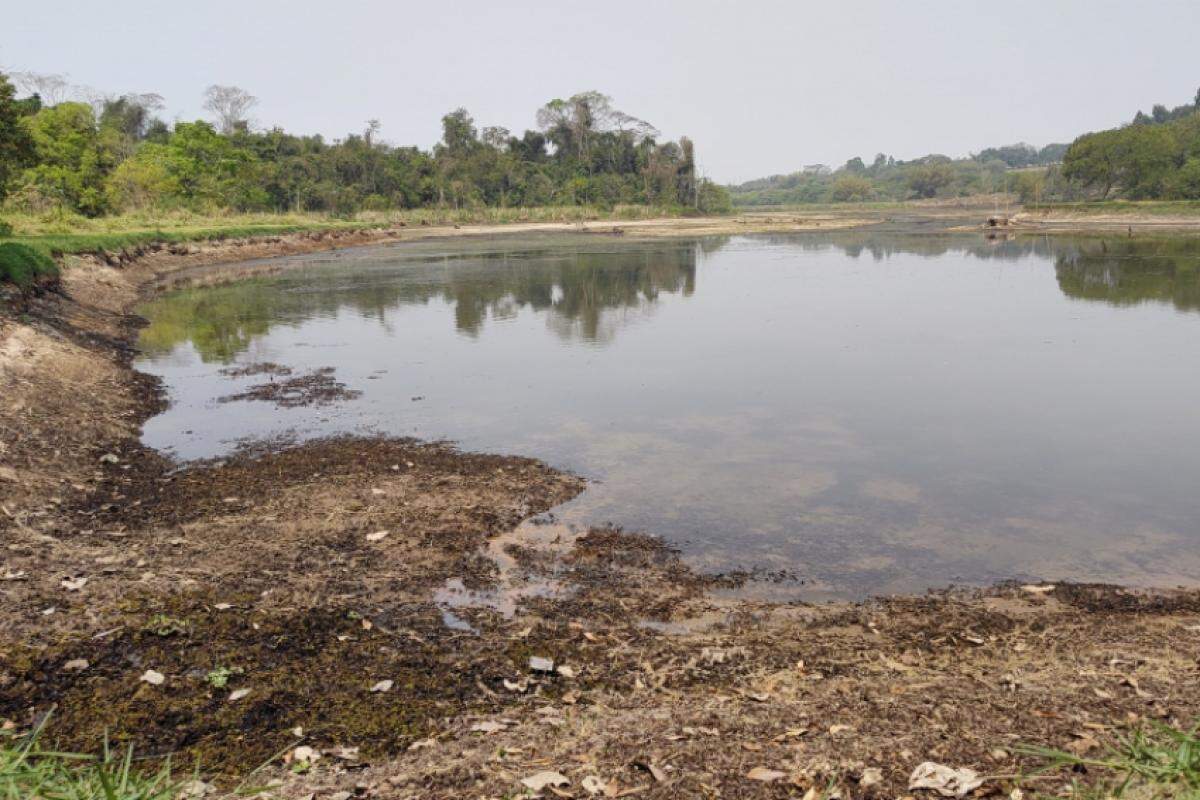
872	412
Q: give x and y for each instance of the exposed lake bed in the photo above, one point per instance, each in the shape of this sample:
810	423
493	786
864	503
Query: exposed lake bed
311	566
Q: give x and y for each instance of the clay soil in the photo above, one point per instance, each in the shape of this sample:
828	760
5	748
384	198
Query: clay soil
306	574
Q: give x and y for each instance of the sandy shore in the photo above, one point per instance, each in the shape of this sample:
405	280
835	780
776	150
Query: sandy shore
308	574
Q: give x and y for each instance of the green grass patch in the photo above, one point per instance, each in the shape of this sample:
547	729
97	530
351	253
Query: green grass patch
24	265
27	771
64	234
1155	762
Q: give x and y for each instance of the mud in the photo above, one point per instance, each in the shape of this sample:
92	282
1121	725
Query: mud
308	574
316	388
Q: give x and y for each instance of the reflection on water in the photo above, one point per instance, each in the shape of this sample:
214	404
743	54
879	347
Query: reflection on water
1127	272
876	412
577	289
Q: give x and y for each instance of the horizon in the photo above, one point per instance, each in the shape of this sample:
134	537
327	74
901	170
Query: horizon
725	79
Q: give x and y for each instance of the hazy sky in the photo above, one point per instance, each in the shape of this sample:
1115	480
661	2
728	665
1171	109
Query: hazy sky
762	87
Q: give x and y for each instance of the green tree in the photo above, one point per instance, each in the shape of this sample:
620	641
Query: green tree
71	164
851	189
926	180
17	149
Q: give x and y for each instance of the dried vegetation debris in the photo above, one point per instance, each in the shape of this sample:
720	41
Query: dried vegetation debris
317	387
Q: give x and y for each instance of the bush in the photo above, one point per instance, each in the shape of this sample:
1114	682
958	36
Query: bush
23	266
851	189
6	230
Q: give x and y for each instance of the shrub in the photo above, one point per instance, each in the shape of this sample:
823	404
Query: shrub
23	266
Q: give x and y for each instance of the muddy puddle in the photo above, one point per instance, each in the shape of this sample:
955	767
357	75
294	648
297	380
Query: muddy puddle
862	412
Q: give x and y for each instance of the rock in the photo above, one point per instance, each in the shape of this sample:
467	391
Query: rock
76	665
109	458
871	776
153	677
238	694
539	664
382	686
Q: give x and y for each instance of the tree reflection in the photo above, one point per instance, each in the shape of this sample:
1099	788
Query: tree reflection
577	290
587	293
1131	272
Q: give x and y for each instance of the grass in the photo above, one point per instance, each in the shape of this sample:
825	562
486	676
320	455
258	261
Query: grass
27	772
1178	208
58	233
1155	762
23	265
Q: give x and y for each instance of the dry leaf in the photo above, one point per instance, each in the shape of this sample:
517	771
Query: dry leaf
76	665
765	775
74	585
871	776
305	754
238	694
946	781
791	733
541	780
377	536
592	784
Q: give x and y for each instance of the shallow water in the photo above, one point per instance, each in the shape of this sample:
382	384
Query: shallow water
870	412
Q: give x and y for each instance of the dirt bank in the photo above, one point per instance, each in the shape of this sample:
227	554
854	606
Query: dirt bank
284	598
1129	222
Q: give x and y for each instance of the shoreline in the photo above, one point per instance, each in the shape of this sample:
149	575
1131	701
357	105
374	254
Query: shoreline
264	563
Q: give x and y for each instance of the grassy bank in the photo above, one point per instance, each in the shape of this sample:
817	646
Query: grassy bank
23	265
1147	208
58	234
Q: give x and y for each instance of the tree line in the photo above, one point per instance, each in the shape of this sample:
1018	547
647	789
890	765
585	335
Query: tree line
112	154
887	179
1154	157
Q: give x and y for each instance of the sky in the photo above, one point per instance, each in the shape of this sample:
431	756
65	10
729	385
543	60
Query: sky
762	87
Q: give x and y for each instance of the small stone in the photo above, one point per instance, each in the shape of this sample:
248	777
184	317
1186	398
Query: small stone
540	664
76	665
153	677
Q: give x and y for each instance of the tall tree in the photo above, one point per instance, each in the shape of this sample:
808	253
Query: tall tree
230	105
